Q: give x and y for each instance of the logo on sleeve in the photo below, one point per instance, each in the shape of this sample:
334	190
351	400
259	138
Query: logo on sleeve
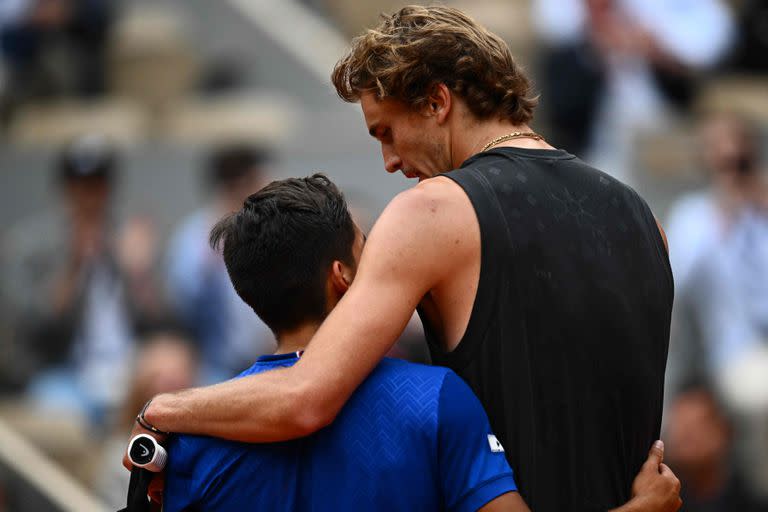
495	444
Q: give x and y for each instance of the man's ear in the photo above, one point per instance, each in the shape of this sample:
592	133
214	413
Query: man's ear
340	277
439	102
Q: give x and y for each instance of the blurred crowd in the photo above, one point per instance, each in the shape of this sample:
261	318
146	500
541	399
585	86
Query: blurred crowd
100	311
82	290
102	317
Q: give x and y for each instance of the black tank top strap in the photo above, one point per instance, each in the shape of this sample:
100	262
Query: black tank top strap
494	249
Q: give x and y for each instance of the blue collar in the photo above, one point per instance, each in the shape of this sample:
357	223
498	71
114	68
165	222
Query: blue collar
269	358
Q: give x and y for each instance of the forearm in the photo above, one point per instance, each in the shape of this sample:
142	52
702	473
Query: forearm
636	504
284	404
259	408
627	507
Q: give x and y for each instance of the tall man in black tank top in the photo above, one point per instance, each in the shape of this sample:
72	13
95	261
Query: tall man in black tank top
543	282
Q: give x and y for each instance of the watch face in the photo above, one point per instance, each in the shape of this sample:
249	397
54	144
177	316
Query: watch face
142	451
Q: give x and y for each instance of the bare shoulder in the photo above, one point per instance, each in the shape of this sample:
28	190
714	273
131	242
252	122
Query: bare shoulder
440	189
432	223
437	202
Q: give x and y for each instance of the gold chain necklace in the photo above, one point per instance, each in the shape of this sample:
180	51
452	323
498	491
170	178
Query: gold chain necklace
510	136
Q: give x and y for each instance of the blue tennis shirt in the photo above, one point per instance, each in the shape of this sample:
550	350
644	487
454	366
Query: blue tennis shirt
412	437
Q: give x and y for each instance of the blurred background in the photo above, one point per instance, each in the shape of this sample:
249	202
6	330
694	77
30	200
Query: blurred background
128	127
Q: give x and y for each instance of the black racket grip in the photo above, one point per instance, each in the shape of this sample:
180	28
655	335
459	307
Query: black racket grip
138	501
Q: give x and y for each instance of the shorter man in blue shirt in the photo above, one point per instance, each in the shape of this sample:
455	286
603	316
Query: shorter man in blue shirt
412	437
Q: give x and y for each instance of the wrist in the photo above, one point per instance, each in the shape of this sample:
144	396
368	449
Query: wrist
152	417
633	505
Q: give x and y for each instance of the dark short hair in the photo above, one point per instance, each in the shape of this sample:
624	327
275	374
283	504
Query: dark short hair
279	247
229	162
412	50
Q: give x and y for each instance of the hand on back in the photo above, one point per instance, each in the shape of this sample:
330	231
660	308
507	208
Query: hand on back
655	488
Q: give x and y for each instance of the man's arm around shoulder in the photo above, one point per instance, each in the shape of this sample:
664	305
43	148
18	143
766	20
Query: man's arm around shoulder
411	248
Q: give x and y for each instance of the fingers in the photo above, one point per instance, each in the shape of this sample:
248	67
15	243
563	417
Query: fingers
127	462
655	456
670	476
156	487
666	472
657	450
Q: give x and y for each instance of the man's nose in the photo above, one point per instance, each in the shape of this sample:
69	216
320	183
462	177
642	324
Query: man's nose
392	162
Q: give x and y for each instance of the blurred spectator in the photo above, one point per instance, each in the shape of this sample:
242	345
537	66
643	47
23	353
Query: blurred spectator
54	47
165	363
718	244
223	75
699	446
77	293
230	336
744	386
718	240
614	67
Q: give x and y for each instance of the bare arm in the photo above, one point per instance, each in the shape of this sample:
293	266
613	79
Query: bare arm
411	248
510	502
655	489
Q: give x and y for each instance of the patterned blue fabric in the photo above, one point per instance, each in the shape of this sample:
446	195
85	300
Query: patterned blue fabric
412	437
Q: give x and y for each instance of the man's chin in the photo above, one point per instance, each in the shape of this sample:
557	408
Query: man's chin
416	176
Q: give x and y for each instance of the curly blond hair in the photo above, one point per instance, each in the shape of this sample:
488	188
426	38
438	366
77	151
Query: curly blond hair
417	47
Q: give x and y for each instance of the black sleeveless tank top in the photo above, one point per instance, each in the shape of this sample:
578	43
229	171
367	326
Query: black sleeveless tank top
567	342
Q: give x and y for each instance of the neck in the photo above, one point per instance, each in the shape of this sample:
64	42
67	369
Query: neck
296	339
485	132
